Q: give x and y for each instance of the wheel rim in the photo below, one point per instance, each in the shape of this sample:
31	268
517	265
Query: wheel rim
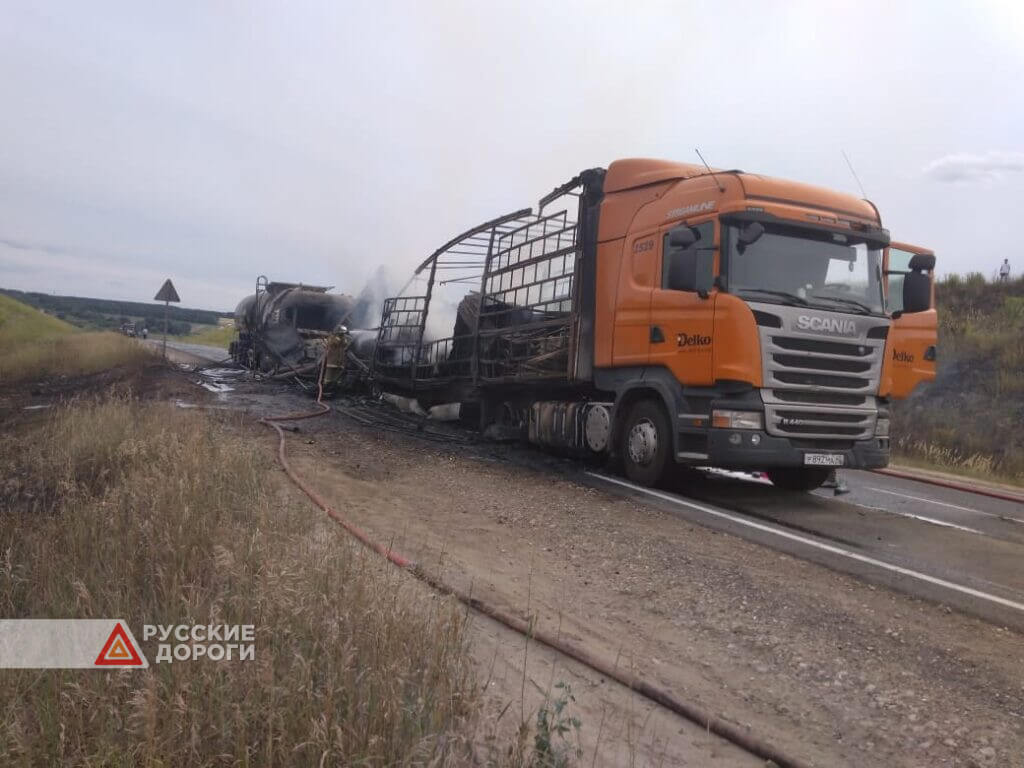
643	442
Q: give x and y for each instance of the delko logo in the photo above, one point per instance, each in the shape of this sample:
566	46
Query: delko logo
826	325
693	340
902	357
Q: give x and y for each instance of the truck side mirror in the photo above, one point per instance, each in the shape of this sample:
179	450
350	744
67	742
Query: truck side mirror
691	270
750	233
922	262
682	271
917	292
682	237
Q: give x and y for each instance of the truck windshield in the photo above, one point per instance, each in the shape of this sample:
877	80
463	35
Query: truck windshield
792	265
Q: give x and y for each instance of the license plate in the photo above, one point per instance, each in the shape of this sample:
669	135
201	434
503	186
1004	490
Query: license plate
824	459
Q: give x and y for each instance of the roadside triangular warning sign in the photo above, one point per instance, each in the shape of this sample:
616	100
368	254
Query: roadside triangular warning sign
118	651
167	292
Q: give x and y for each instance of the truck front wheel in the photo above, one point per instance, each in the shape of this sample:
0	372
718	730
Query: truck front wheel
645	443
798	478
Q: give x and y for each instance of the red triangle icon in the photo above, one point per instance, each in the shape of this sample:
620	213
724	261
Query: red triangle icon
118	651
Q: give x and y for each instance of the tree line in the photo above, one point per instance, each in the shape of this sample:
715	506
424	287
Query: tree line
109	314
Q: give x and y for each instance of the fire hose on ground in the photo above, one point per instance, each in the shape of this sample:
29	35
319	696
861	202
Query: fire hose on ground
729	731
952	484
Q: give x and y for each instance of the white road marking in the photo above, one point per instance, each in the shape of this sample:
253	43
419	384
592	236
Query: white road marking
883	511
922	518
818	545
933	521
946	504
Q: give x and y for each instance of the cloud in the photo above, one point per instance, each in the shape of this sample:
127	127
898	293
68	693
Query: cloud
970	167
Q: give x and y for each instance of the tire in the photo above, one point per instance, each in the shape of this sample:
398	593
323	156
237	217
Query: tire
798	478
645	443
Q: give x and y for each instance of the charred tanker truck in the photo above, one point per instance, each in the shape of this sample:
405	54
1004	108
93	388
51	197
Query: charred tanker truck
288	327
670	314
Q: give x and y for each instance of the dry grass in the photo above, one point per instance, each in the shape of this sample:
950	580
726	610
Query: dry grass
158	515
929	455
968	420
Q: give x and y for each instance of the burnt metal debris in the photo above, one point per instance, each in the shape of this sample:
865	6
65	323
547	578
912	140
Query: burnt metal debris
519	320
497	305
286	327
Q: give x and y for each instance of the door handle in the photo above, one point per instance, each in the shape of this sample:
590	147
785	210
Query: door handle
657	337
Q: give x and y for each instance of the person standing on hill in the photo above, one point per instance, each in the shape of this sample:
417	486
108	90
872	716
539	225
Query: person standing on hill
1004	271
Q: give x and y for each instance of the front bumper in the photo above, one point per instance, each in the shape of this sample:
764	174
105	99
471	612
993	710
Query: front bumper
781	451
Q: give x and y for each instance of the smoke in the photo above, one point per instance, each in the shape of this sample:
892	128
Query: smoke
440	319
370	302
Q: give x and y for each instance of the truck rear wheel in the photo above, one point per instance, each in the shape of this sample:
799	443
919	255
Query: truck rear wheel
645	443
798	478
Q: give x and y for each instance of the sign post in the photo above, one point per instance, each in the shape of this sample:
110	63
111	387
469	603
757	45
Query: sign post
166	294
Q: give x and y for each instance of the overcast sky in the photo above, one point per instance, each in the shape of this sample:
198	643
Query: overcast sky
211	142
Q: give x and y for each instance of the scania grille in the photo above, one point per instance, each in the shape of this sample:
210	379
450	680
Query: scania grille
813	365
818	421
821	398
822	364
819	386
803	378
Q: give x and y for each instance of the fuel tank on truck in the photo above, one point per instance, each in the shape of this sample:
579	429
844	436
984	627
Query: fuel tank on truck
290	322
245	314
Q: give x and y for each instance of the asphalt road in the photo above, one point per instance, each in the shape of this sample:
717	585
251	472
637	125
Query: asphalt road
935	504
204	353
960	549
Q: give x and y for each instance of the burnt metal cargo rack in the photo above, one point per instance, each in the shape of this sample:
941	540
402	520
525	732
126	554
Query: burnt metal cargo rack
519	320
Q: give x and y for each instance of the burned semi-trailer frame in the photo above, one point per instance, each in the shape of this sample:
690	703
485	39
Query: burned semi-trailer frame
524	329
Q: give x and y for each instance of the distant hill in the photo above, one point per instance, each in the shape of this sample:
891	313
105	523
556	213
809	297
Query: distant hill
20	323
972	415
108	314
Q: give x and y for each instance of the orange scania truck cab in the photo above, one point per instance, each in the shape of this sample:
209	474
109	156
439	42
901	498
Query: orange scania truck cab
751	322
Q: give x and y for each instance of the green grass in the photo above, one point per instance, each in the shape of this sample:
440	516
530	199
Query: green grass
213	336
21	324
35	345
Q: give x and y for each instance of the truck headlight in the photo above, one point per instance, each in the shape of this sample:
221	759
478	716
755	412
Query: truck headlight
882	428
737	419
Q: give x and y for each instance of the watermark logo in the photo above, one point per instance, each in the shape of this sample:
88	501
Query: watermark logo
109	643
119	650
69	644
191	642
